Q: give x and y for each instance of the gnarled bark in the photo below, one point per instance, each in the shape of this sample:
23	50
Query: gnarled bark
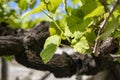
26	45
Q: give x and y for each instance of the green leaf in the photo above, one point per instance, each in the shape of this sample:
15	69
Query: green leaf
73	23
68	32
50	47
78	34
90	36
40	8
98	11
81	46
88	6
22	4
77	12
48	52
53	29
110	28
52	5
55	39
76	24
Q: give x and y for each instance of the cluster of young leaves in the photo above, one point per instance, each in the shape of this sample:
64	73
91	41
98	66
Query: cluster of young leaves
7	14
76	25
11	14
79	25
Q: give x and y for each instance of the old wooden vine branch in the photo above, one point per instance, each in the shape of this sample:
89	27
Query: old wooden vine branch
102	26
26	45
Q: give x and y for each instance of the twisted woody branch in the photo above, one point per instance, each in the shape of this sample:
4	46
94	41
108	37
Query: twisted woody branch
26	45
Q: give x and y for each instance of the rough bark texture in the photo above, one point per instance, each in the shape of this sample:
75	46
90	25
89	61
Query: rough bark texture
26	46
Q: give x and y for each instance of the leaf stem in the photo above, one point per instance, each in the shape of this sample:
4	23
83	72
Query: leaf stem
53	21
46	3
65	6
102	26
